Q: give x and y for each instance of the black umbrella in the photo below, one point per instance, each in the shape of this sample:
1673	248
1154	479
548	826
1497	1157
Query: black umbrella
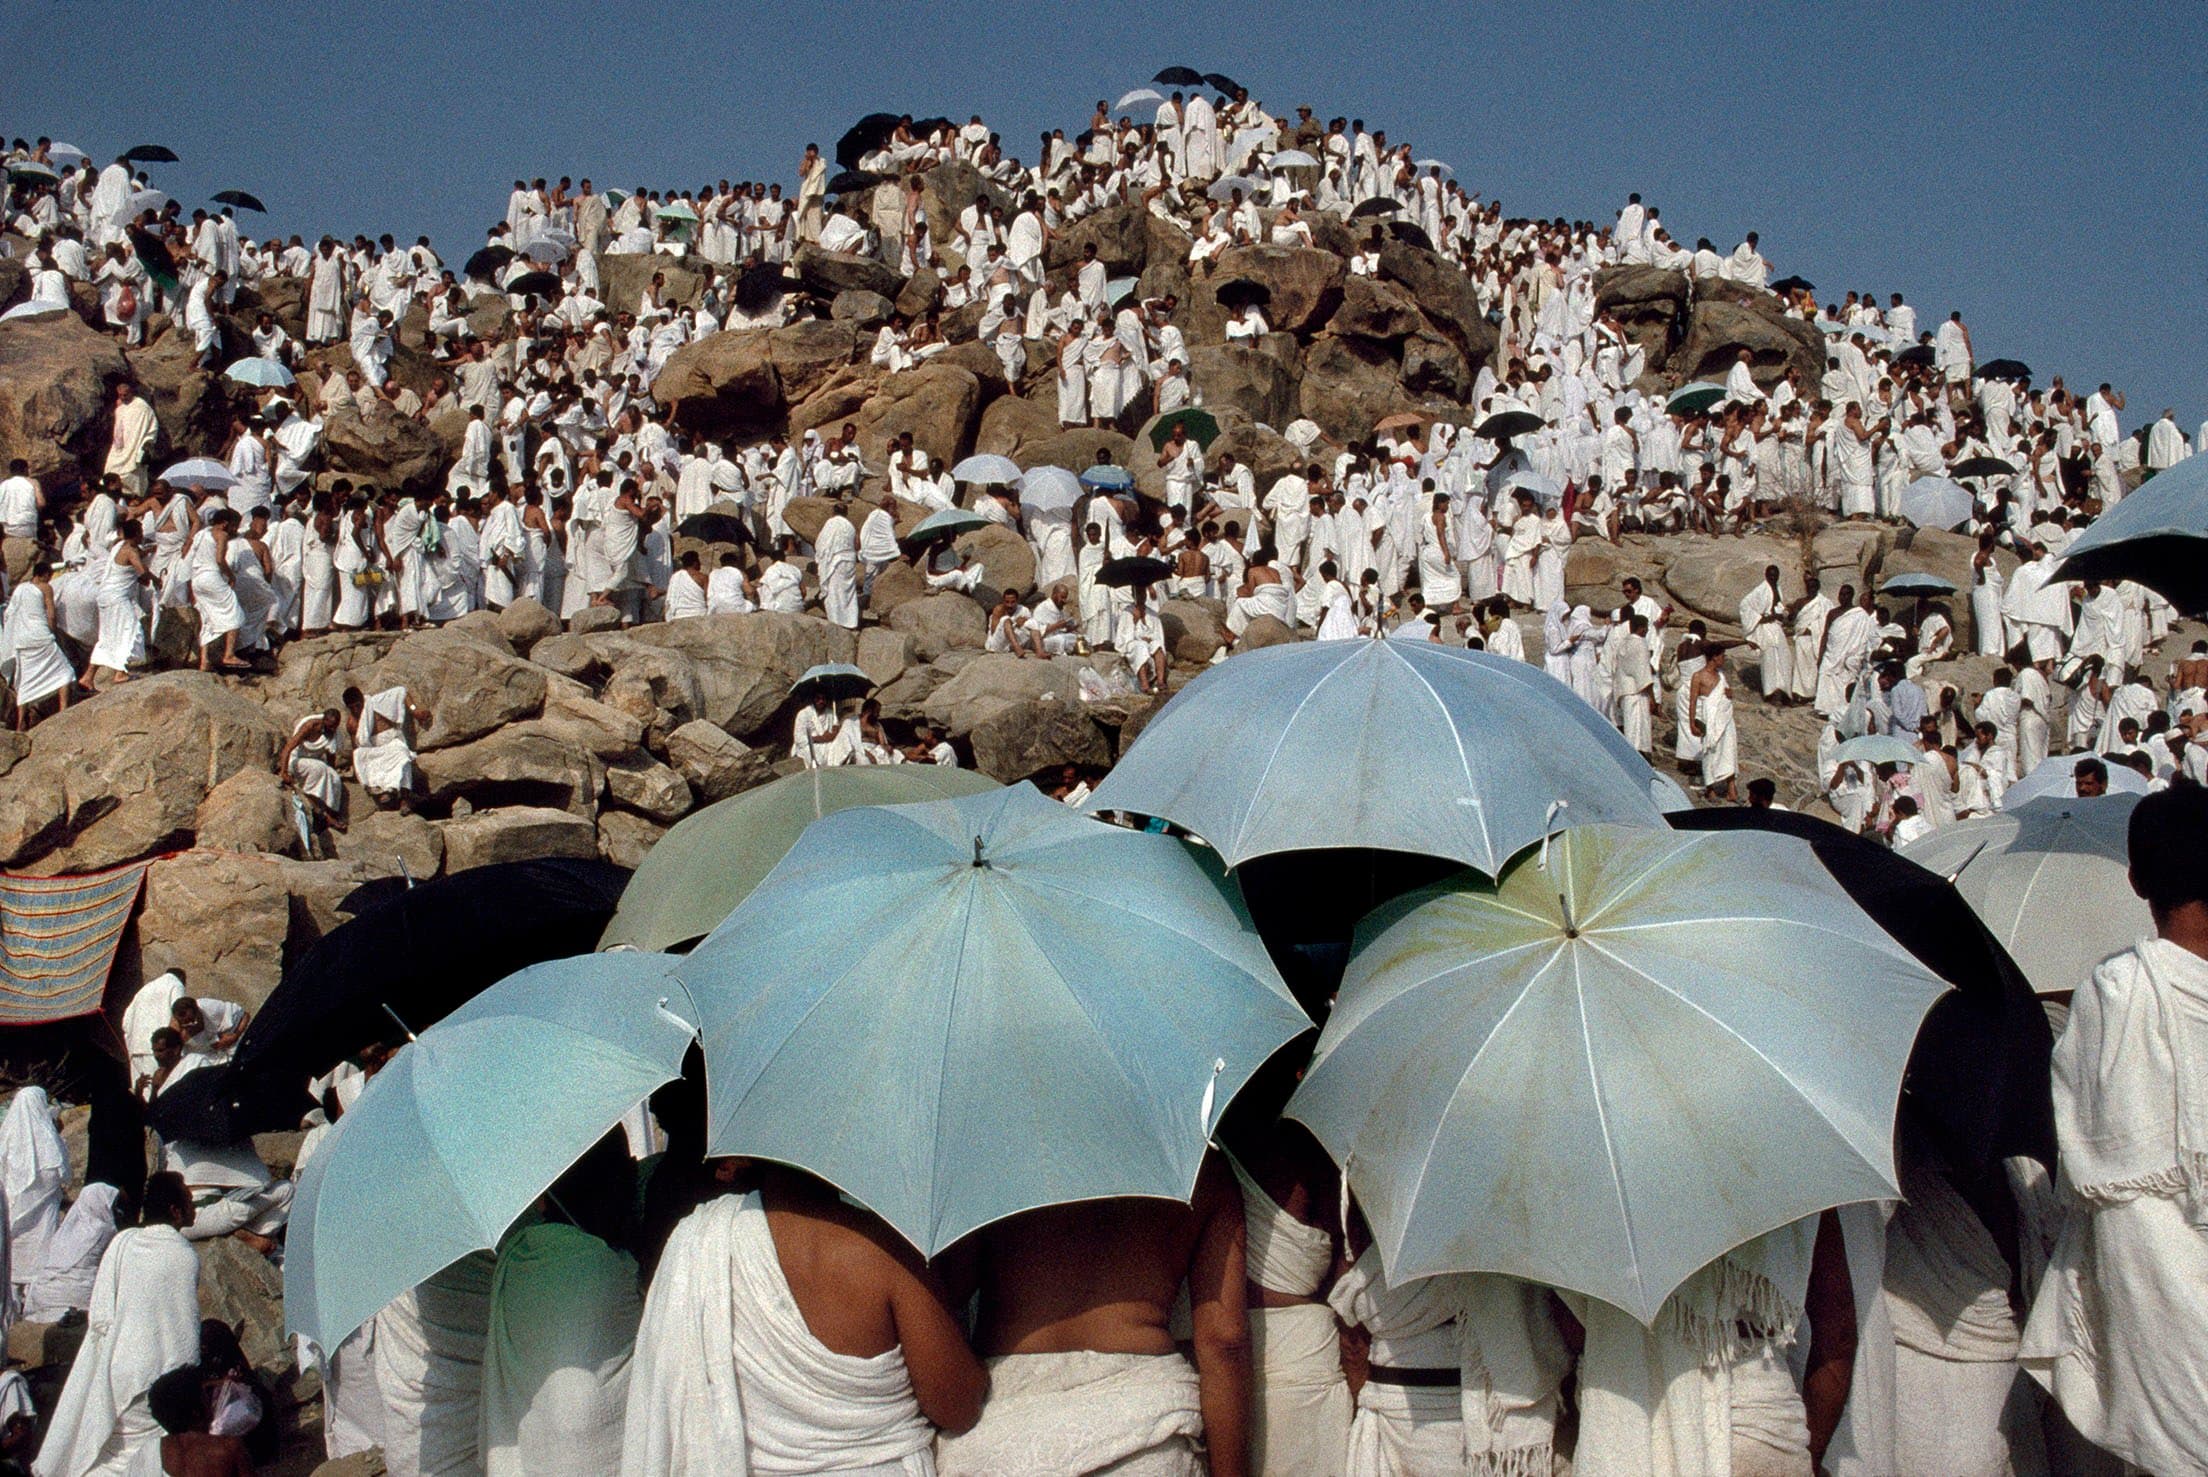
1180	77
2005	369
1980	466
1242	291
851	181
1306	905
1793	284
1915	354
1411	235
713	528
1223	82
241	200
864	137
1377	205
927	126
1133	570
2174	565
154	256
417	953
1510	423
758	286
1978	1077
533	284
149	154
488	262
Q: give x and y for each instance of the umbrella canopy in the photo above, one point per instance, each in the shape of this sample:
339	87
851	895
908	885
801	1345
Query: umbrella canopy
1546	489
2051	877
1240	292
1105	477
264	374
697	873
1447	170
1401	419
1075	1005
145	200
241	200
1981	466
864	137
1617	1063
1050	490
1133	570
414	952
1292	159
1510	423
1937	502
1203	427
1119	289
66	154
994	471
1793	284
714	528
1377	205
149	154
199	472
533	284
2157	536
35	308
1411	235
1878	748
943	523
486	262
1920	585
2005	369
1141	97
678	210
852	181
1915	354
1478	758
1700	396
464	1129
1978	1079
31	169
547	249
1222	81
1180	77
2056	777
1224	187
835	681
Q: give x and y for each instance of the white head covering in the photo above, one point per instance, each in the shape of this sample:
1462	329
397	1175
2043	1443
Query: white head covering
33	1168
64	1279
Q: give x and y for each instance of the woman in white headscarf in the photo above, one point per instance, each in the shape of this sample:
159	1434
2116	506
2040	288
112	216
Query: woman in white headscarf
64	1279
33	1168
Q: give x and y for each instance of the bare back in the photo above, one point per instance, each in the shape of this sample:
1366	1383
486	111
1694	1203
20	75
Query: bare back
197	1454
839	1274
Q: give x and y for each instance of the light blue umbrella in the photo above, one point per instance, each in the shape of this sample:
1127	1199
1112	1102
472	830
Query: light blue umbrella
987	468
2056	777
1050	490
263	374
468	1125
1937	502
199	472
1878	748
1141	97
1629	1056
1107	478
959	1010
1394	745
2158	535
1119	289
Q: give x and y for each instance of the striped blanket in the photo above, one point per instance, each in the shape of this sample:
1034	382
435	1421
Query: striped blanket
57	941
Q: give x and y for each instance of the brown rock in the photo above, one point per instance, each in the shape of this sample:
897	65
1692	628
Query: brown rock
940	621
1075	449
746	663
1376	310
1024	739
514	767
1120	233
1349	385
219	916
1432	366
827	273
894	586
939	403
625	839
1445	295
1007	561
1011	424
1263	632
716	765
517	834
386	452
808	353
1306	284
861	308
988	684
393	842
922	291
241	1287
567	656
470	687
526	622
574	717
724	384
1649	303
650	789
56	380
1717	330
1194	629
624	275
250	811
839	399
884	654
1259	382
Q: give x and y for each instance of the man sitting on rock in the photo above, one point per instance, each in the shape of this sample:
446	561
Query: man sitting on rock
383	731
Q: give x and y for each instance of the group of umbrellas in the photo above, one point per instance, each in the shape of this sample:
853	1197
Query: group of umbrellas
1595	1051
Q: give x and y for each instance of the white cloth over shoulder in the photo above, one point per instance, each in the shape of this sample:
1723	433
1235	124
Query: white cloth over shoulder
728	1380
142	1323
63	1280
564	1311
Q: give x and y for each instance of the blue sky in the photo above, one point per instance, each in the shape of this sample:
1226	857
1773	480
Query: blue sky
2039	167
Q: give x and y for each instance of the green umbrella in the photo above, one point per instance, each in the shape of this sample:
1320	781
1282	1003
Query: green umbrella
468	1125
697	873
1203	427
964	1009
1688	399
943	523
1636	1051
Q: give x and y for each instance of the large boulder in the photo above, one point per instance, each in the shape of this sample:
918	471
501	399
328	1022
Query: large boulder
1708	576
1028	738
521	833
513	767
1649	304
1445	295
1012	423
860	308
1194	629
989	684
826	273
625	838
1349	385
715	764
885	654
1075	448
1376	310
624	275
192	404
807	354
1719	328
470	686
1121	236
949	188
1305	284
746	663
57	376
219	916
1007	561
940	404
386	451
940	621
1260	382
394	841
122	776
526	622
839	399
250	811
724	384
1265	631
650	789
1433	367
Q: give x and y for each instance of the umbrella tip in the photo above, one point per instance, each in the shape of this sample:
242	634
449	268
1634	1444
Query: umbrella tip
979	859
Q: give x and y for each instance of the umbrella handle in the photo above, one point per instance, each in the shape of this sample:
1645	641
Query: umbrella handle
686	1027
402	1025
1218	1063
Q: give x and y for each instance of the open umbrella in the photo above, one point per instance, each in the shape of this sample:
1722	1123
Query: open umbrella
1918	354
1141	97
1104	477
264	374
1622	1060
1119	289
2157	536
835	681
547	249
2056	777
1877	748
199	473
1410	235
532	284
1225	186
1049	490
240	199
1017	1005
1292	159
987	469
1222	81
1793	284
66	154
714	528
1510	423
486	262
1922	586
1978	1078
2005	369
1377	205
696	874
461	1132
1447	170
31	169
1981	466
1237	293
1203	426
864	137
35	308
1132	571
2051	877
1478	758
943	523
1937	502
676	210
852	181
408	954
145	200
148	154
1180	77
1690	399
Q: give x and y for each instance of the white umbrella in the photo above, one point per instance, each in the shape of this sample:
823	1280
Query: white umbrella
546	250
2057	776
987	469
1224	187
1447	171
1117	290
65	154
200	472
1937	502
1292	159
35	308
1141	97
2051	879
1050	490
146	200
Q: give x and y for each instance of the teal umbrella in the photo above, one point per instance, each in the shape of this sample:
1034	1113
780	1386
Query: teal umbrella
468	1125
1688	399
943	522
1636	1051
1878	748
835	681
959	1010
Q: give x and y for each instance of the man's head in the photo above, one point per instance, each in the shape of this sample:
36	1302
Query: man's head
168	1046
2090	776
2169	866
178	1400
166	1201
186	1016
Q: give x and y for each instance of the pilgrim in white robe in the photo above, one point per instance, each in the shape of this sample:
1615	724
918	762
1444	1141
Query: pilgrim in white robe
63	1278
142	1322
34	1166
1848	642
1300	1405
836	558
382	759
564	1313
429	1366
1763	618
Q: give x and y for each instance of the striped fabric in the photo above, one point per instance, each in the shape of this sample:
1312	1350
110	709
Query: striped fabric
57	941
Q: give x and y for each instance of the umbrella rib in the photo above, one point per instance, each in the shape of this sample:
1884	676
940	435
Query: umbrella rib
1464	758
1602	1121
1264	771
950	1018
